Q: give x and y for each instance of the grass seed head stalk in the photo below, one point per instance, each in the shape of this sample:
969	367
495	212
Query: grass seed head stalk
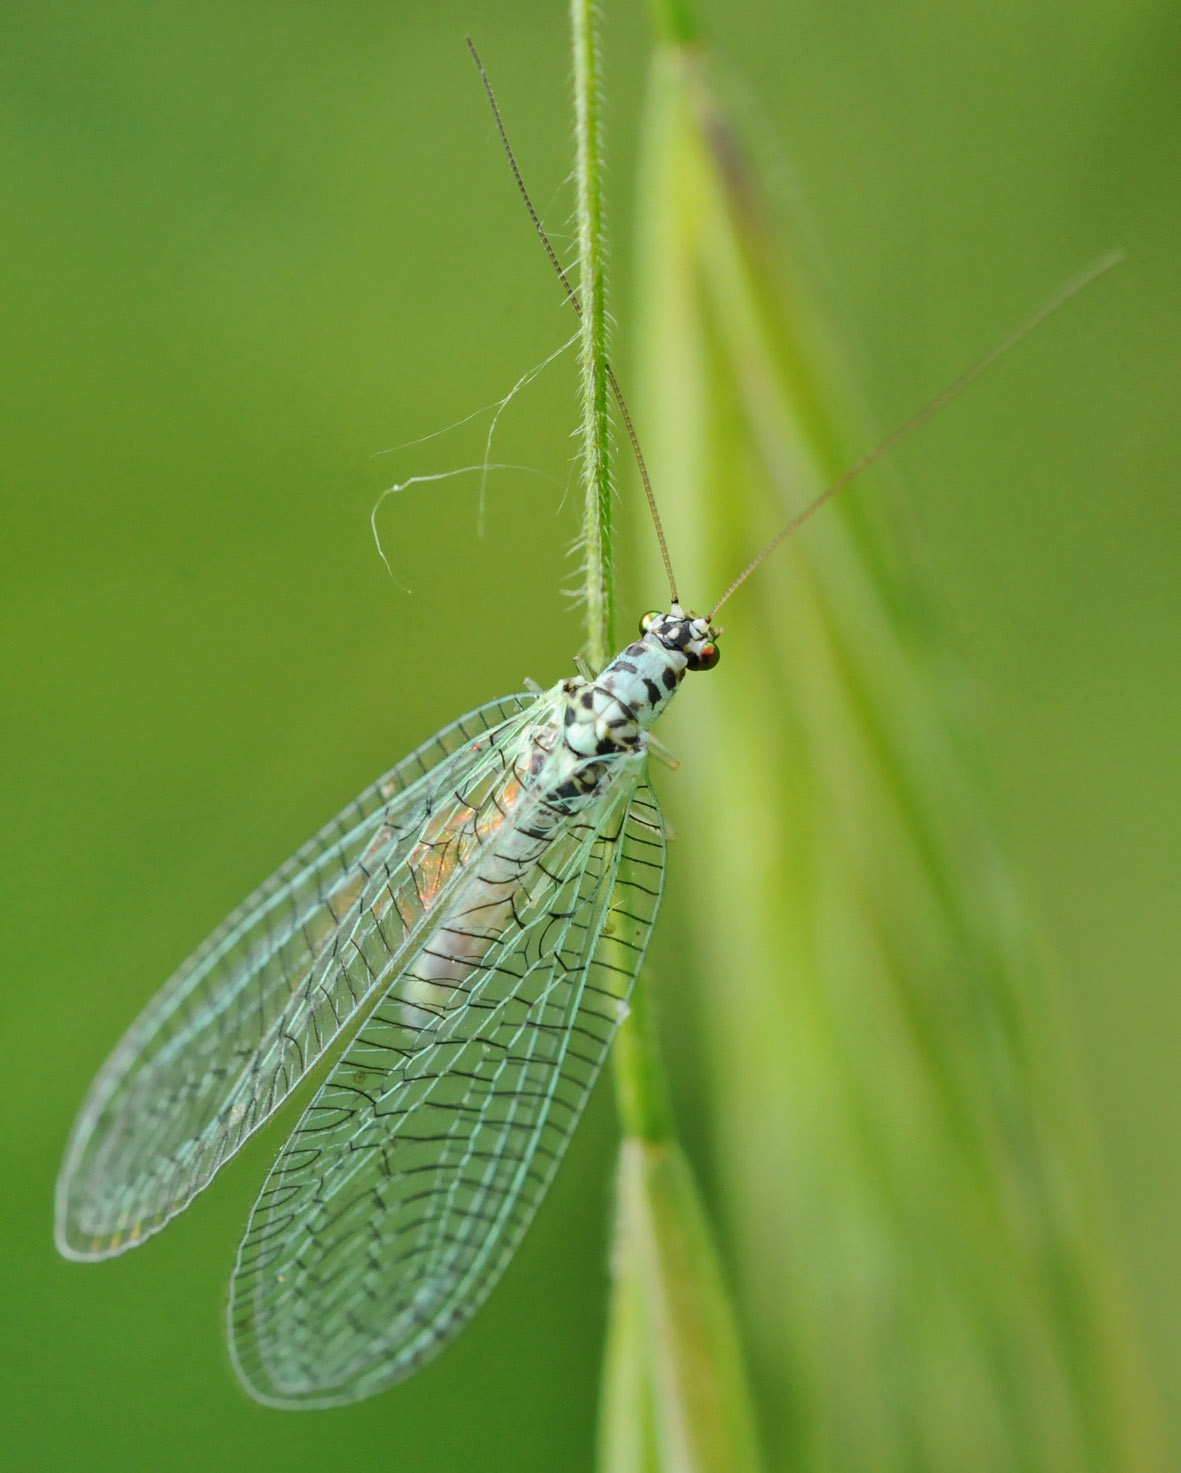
675	1393
595	374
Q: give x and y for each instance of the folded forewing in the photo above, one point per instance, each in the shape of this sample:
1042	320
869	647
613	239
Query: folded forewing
236	1028
409	1180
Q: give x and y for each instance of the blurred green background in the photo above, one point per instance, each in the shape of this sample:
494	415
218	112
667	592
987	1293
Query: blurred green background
245	249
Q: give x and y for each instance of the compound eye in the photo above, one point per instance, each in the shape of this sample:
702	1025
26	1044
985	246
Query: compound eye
649	619
708	657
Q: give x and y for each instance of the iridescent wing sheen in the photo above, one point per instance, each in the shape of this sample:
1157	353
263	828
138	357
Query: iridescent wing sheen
235	1029
411	1177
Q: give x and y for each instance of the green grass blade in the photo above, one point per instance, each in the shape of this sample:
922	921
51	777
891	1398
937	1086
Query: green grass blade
919	1265
675	1394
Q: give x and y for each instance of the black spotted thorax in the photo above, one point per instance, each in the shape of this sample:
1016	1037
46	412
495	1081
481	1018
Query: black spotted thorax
608	718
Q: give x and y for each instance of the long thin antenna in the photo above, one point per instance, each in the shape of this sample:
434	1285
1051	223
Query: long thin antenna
572	296
1058	299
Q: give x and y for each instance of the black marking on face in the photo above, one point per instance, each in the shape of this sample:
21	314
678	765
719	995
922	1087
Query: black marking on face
605	747
570	716
587	698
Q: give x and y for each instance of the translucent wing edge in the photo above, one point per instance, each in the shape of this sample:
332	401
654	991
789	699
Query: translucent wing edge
145	1026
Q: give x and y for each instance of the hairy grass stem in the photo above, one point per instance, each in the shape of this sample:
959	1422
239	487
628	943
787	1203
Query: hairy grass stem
599	581
674	1393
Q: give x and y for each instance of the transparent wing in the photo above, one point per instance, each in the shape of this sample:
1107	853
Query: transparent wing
236	1028
408	1183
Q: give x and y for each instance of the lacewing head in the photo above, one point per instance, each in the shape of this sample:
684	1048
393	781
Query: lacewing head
695	637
